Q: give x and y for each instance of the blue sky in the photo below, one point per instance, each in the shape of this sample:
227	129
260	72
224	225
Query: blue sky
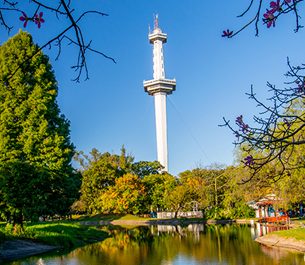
212	73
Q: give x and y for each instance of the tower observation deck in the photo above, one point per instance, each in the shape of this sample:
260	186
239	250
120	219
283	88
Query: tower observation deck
159	87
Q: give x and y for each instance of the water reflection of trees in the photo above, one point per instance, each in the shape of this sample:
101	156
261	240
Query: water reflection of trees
217	244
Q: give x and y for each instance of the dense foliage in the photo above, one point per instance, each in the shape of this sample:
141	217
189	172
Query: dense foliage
111	185
36	176
115	184
60	234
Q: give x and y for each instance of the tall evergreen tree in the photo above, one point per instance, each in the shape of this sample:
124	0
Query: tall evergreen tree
35	147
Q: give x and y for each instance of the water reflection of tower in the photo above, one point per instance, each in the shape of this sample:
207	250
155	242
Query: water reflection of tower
159	87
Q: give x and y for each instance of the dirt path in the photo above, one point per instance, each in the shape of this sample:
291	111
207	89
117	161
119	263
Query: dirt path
17	249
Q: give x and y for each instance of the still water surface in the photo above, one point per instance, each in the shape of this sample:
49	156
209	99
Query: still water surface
174	245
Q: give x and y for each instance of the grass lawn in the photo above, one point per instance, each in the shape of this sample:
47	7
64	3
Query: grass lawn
297	233
65	234
61	234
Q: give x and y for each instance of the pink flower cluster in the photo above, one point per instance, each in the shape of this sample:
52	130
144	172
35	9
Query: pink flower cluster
249	161
227	33
301	87
240	123
37	19
275	8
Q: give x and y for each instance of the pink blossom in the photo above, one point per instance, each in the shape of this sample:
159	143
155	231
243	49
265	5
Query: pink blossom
287	1
275	6
38	19
227	33
248	160
24	18
269	18
240	123
301	87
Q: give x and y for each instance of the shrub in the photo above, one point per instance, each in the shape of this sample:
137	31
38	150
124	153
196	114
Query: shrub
2	237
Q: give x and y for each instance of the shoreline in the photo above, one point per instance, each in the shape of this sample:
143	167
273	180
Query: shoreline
164	222
289	243
18	249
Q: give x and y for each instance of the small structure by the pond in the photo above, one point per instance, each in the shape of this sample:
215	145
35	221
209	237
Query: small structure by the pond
265	210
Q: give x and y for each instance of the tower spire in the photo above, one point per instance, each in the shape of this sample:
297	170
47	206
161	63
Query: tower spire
159	87
156	22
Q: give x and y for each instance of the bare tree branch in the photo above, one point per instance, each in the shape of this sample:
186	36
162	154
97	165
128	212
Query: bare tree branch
278	131
268	18
279	128
62	9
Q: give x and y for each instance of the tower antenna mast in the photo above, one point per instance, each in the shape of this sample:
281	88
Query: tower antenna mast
156	22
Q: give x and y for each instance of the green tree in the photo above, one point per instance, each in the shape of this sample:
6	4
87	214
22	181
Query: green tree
158	186
145	168
125	161
217	192
178	198
196	182
235	196
207	186
35	147
99	172
283	177
126	196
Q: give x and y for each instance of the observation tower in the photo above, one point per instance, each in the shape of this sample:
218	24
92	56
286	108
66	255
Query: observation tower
159	87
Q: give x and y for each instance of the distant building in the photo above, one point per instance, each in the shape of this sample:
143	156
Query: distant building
266	212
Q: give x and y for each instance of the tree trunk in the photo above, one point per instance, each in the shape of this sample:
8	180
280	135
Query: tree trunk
176	212
17	222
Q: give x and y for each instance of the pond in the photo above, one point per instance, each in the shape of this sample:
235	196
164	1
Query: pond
174	245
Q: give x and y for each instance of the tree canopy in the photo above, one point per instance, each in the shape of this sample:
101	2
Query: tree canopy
114	183
35	146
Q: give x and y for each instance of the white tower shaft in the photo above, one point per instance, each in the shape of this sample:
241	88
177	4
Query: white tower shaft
158	60
161	129
160	87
